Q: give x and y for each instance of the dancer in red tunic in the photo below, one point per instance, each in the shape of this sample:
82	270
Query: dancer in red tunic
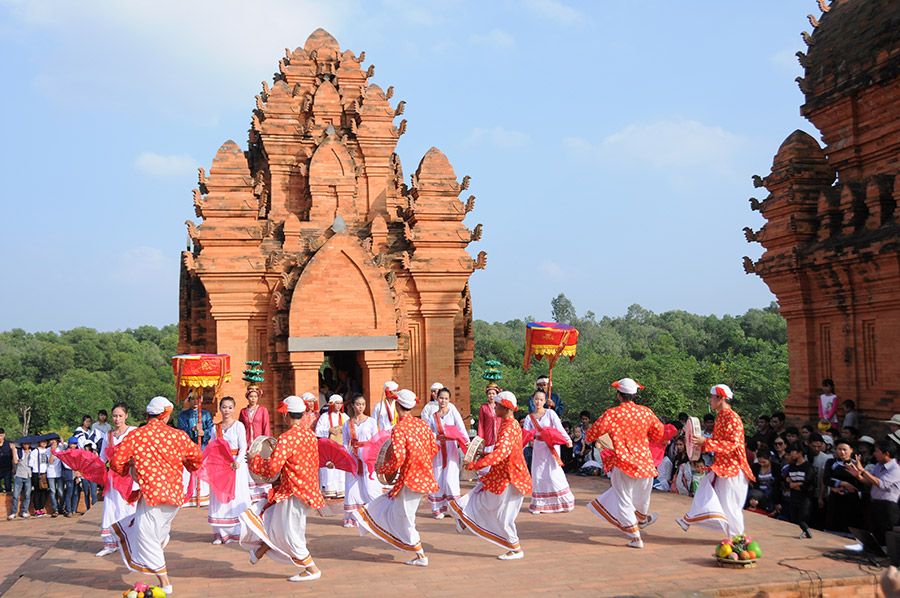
280	531
631	428
158	454
392	517
719	501
489	511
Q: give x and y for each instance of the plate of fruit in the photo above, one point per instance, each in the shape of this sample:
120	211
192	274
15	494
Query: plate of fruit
740	550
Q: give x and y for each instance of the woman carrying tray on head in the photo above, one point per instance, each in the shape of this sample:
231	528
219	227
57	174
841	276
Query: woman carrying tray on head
551	492
224	516
362	487
255	419
447	461
115	506
280	531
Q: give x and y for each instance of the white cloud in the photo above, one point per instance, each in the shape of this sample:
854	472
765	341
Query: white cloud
160	165
668	145
495	38
144	266
555	11
186	59
497	137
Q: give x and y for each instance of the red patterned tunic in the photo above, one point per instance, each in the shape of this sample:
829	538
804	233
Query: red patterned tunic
507	462
728	444
296	456
413	448
632	428
160	454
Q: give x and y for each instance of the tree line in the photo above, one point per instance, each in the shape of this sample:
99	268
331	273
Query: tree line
677	355
49	379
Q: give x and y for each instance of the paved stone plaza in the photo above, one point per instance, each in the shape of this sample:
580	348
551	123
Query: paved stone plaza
571	553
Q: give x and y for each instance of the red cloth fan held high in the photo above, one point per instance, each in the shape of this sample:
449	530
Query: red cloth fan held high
88	463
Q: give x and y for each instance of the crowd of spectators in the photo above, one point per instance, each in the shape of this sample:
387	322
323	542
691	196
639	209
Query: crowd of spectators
40	483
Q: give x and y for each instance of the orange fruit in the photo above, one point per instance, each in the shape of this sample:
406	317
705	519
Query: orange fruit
749	552
745	556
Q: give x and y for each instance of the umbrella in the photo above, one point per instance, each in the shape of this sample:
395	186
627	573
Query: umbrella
88	463
33	440
373	447
335	454
217	470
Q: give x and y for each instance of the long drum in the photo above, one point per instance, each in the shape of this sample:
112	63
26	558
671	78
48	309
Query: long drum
263	446
390	479
475	450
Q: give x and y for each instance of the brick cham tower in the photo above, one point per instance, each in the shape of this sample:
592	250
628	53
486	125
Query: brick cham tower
312	250
832	236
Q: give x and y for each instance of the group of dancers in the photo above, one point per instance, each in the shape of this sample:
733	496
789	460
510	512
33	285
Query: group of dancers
425	459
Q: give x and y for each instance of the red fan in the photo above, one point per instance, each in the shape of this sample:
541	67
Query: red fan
217	471
658	449
527	436
372	447
335	454
461	438
123	484
552	436
88	463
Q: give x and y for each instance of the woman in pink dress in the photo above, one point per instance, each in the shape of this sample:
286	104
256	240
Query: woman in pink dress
255	418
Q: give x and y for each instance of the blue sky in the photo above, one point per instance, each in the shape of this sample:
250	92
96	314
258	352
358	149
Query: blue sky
610	144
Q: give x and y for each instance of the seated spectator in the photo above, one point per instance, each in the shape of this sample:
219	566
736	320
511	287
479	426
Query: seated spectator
851	415
683	417
584	421
566	452
663	479
21	457
593	463
709	422
884	481
683	478
843	491
800	479
579	449
679	454
765	492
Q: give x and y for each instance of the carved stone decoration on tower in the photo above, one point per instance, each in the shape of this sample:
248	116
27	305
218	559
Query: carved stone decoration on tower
832	232
302	259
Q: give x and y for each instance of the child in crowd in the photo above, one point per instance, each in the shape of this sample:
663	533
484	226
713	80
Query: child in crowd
828	402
